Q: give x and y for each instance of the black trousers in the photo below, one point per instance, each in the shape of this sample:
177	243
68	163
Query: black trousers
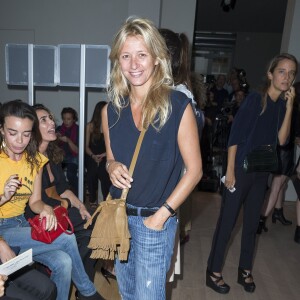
94	173
250	192
83	237
29	284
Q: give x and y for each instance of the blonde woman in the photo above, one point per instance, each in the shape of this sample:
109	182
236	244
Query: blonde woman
141	96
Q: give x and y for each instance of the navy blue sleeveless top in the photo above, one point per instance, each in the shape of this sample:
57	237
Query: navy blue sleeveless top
159	163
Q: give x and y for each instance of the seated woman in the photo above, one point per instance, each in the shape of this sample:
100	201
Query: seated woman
29	284
22	283
20	181
55	187
96	156
68	136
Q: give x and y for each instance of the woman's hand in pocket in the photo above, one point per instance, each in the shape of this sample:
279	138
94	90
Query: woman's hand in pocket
157	220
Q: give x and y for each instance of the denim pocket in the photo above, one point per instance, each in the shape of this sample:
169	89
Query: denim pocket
154	230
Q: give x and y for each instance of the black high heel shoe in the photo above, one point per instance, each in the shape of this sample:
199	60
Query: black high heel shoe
278	215
96	296
242	279
262	225
106	274
212	281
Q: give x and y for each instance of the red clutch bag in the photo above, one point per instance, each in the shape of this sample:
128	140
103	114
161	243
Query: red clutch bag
38	226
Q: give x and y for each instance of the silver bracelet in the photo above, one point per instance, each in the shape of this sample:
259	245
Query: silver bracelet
108	162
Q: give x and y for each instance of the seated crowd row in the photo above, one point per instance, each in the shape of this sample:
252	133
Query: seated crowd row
31	170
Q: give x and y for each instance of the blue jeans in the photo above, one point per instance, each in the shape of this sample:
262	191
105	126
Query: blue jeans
143	276
61	257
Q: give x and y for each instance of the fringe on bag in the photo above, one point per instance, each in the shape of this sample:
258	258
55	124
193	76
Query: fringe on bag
110	235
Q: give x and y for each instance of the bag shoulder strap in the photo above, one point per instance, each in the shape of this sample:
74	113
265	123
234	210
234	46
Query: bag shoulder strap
134	160
277	126
131	168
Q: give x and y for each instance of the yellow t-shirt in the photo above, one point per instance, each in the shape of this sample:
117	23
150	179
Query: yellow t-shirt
16	205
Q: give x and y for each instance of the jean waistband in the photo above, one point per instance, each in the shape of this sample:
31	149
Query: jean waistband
140	212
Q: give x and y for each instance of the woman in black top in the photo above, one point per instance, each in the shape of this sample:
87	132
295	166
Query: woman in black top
296	179
54	179
96	156
275	197
261	119
68	137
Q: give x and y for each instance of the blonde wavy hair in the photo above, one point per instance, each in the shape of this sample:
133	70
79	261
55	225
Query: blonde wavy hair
156	105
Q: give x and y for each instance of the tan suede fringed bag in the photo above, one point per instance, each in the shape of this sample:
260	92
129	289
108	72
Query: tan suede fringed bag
110	236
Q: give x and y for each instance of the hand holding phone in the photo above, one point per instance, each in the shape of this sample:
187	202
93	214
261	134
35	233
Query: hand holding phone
289	96
233	189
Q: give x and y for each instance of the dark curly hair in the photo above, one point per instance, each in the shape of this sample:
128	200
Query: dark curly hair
18	108
71	111
54	152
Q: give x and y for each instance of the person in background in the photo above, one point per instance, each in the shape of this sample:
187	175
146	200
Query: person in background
22	284
236	86
96	156
68	136
20	181
296	179
207	137
239	96
53	178
220	93
178	47
199	92
261	119
27	284
233	74
141	96
275	196
296	183
210	109
96	171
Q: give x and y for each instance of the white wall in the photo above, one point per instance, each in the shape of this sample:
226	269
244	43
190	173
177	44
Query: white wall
179	16
55	22
78	22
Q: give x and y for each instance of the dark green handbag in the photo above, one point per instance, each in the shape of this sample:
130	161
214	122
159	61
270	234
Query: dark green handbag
262	159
